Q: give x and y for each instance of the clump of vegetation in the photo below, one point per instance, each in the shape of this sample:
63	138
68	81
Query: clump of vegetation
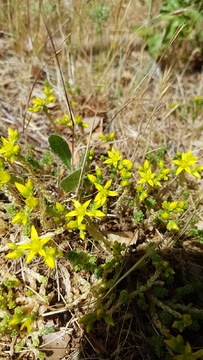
176	35
158	198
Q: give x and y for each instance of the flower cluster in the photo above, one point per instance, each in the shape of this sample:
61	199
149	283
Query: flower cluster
27	192
153	179
64	120
170	213
123	166
41	104
150	178
152	175
125	169
80	212
67	121
9	147
108	137
103	190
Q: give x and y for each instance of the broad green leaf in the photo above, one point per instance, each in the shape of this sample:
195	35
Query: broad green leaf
71	181
61	148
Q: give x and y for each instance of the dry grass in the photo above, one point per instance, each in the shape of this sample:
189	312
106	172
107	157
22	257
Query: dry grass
117	81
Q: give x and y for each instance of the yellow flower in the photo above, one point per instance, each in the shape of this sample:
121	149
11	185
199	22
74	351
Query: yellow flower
27	322
34	247
5	177
65	120
125	183
146	174
142	194
48	91
109	137
165	215
173	206
32	202
21	217
80	210
40	104
92	178
91	155
98	178
103	193
196	171
73	224
198	98
98	172
60	207
125	174
114	157
125	164
79	121
95	212
185	162
25	190
172	225
49	258
16	253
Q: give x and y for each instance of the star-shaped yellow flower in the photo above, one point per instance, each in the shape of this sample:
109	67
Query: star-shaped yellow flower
33	247
185	162
114	157
103	193
146	174
81	211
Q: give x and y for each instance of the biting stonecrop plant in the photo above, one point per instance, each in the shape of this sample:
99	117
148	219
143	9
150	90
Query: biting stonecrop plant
155	198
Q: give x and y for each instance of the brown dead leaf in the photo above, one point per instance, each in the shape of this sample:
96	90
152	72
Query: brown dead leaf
55	345
93	123
127	237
